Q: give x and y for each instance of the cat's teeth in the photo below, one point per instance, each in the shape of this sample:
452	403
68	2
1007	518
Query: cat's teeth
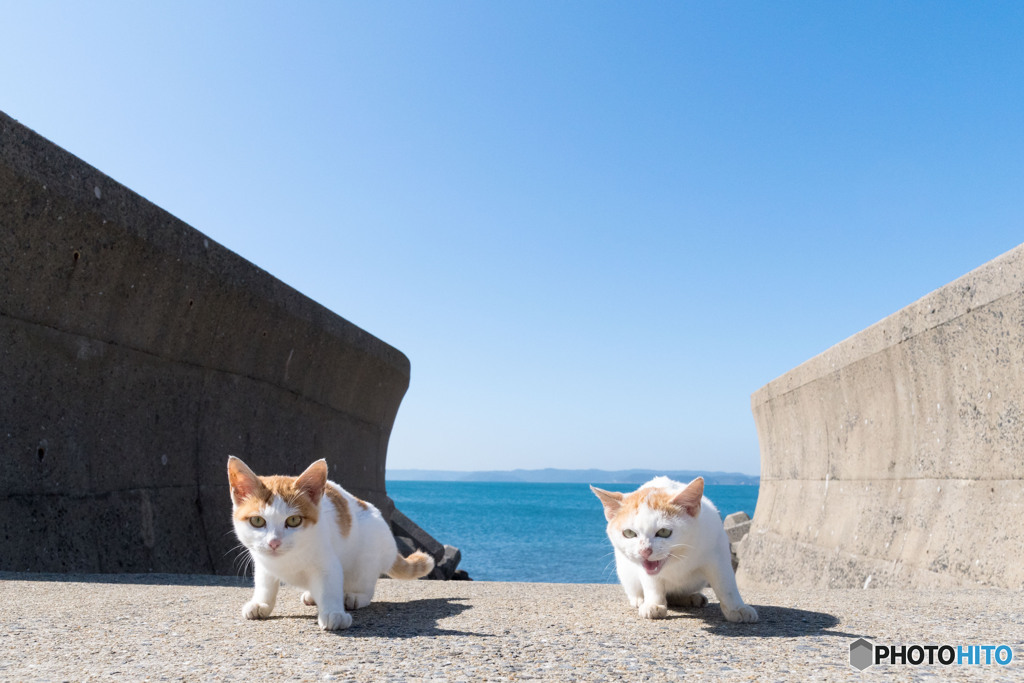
653	567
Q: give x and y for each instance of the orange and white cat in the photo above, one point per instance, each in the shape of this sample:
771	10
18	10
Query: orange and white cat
311	533
669	544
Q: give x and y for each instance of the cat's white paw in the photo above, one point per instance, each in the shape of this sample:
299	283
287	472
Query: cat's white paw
256	610
649	610
636	601
334	621
356	600
743	614
694	600
307	599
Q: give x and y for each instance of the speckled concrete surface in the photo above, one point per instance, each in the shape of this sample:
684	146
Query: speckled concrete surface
55	628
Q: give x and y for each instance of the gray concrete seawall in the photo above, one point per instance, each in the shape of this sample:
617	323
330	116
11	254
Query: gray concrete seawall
136	354
896	458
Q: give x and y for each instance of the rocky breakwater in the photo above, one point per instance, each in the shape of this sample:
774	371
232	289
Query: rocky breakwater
737	526
411	537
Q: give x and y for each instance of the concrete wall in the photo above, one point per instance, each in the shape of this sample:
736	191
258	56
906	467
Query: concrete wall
135	355
896	458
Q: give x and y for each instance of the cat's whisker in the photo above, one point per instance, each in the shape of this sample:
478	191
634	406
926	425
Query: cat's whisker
610	562
241	561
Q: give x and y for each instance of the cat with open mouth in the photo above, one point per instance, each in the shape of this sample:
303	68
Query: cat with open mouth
670	544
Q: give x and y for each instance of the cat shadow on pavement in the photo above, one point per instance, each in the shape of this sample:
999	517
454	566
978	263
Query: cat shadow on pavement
773	622
408	619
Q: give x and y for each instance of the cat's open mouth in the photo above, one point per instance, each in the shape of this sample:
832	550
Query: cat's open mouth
653	568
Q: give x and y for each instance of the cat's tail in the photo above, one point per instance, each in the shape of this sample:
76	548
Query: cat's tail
413	567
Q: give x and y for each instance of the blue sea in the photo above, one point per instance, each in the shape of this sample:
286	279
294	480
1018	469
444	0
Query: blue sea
552	533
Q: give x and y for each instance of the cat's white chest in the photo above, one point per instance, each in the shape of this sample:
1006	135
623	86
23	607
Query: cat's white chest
291	571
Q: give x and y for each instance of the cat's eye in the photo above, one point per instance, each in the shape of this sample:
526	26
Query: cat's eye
663	533
629	533
257	521
293	521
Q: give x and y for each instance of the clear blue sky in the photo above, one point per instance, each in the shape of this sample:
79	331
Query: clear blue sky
595	228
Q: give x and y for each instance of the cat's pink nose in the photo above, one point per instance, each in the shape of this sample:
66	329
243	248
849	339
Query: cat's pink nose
275	543
645	553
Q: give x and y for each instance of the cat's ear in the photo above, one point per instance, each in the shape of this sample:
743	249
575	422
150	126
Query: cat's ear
689	498
313	481
611	500
243	481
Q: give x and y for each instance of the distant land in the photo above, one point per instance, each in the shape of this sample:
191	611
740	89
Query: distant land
555	476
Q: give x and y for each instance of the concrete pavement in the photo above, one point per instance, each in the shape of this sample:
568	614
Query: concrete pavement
176	627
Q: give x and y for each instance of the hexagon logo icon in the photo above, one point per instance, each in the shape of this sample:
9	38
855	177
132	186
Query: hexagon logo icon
861	654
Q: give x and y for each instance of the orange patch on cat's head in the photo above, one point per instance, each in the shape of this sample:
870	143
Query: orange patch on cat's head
619	507
251	506
250	493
